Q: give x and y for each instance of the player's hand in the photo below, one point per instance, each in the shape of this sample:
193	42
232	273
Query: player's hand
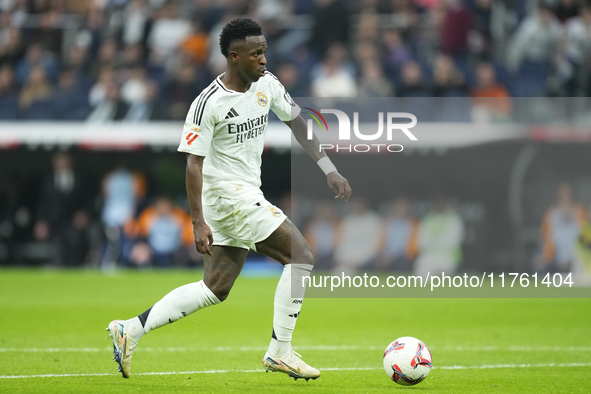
339	185
203	238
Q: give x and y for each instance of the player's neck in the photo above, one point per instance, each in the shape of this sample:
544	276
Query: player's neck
233	81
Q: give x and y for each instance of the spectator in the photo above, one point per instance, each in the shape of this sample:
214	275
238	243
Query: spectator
440	236
36	56
49	34
35	97
358	238
367	31
71	99
20	12
77	61
91	33
412	84
168	32
331	25
536	39
184	85
62	217
406	12
491	99
566	9
321	234
122	190
208	13
164	229
480	39
195	46
396	52
11	228
561	228
578	52
333	78
585	247
98	92
112	107
11	45
457	23
533	50
8	94
137	23
373	83
448	80
400	246
149	108
134	89
107	58
133	56
290	77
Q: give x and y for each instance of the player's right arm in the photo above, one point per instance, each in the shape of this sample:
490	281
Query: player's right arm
194	182
196	140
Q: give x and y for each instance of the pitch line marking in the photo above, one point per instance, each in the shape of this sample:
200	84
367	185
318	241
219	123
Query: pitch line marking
512	348
448	367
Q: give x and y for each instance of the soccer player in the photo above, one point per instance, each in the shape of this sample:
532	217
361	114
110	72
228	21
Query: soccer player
224	138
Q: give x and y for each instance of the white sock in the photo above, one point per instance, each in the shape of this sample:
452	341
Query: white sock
288	303
177	304
134	328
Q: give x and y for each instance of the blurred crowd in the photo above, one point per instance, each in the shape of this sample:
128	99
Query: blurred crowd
420	236
69	225
65	223
392	237
565	244
137	60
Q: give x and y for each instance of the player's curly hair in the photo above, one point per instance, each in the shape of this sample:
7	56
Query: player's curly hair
238	29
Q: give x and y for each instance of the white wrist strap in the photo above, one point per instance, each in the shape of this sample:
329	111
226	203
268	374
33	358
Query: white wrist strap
326	165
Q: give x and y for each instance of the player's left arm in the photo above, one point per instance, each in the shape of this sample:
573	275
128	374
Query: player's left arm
336	181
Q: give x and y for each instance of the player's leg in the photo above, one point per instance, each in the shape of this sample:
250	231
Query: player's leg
288	298
221	271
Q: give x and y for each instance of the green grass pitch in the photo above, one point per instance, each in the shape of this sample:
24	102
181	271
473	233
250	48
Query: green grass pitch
53	339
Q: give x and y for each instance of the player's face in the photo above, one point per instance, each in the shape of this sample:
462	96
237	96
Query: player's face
251	58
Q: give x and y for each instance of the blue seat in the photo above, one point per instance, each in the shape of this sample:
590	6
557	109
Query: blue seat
8	108
40	110
530	80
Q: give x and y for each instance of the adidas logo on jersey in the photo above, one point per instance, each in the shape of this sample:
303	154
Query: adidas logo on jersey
231	113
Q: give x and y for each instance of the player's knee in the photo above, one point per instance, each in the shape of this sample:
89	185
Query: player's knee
220	289
222	296
304	256
221	292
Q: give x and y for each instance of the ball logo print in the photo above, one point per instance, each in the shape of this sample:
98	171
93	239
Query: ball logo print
394	346
407	361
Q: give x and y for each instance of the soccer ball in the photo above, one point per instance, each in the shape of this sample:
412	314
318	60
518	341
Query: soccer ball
407	361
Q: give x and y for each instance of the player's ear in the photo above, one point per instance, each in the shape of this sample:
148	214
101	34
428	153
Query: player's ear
233	56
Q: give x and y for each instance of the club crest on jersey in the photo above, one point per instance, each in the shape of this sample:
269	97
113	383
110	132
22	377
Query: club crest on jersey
261	99
275	211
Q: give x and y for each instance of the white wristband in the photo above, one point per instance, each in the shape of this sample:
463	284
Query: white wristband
326	165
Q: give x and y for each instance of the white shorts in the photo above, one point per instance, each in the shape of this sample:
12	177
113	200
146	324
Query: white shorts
242	222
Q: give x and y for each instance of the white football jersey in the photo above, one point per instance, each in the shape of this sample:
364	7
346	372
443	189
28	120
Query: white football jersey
228	128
